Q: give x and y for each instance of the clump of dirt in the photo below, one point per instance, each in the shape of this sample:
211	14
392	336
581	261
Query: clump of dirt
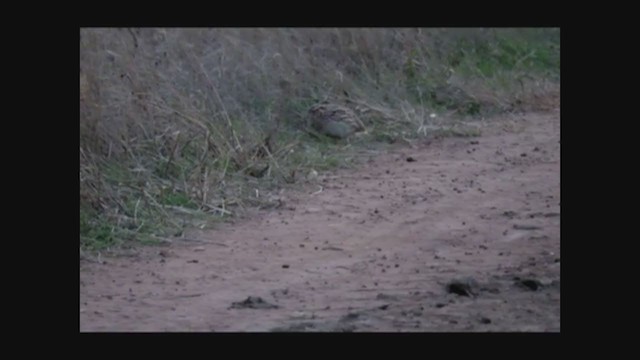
253	302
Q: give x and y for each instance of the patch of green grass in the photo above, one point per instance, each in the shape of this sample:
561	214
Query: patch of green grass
97	234
117	172
329	162
177	199
108	232
500	58
522	51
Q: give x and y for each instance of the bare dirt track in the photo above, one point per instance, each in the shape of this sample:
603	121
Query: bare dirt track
458	234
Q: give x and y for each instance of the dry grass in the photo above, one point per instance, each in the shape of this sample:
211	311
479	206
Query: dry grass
177	125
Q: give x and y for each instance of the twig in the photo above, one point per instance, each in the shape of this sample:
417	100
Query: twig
171	155
218	209
135	212
182	209
205	185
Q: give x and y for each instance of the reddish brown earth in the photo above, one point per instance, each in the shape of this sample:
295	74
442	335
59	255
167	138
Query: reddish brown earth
374	251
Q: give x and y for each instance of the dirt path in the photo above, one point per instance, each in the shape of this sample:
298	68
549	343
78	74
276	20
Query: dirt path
376	250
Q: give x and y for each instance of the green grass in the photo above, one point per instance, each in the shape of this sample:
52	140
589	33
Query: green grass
178	199
96	234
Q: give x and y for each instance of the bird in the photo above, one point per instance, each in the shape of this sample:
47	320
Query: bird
334	120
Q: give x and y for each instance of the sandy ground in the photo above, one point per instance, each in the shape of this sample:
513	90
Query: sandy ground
466	237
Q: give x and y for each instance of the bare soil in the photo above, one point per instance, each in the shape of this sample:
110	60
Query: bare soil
456	234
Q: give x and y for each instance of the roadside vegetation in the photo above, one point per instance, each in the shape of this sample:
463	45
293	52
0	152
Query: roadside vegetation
183	128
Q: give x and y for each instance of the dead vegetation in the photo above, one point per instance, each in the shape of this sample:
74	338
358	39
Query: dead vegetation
182	127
